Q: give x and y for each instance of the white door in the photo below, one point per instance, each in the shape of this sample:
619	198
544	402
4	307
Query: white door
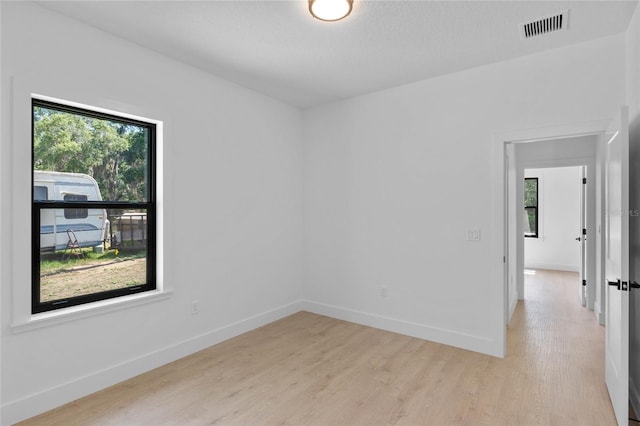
617	265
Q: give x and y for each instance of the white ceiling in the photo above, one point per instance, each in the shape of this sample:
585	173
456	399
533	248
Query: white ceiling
276	48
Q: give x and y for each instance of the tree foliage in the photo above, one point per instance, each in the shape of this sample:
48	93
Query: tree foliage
113	153
530	192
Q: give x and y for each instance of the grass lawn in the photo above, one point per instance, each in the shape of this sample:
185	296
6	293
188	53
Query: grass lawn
51	263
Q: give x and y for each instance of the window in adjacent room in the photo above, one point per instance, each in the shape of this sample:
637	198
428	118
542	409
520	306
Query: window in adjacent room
93	206
531	207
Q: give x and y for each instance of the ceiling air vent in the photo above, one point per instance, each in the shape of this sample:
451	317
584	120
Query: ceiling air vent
548	24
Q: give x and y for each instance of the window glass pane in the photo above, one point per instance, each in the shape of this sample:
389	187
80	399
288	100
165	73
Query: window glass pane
56	228
114	153
531	192
128	229
530	225
80	258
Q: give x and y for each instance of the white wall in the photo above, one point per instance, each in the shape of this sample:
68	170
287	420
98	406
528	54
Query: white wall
233	209
395	179
559	220
633	101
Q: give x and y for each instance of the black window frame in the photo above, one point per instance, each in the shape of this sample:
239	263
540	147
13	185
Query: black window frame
37	306
534	208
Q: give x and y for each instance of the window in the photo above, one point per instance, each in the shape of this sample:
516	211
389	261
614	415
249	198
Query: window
40	193
93	206
531	207
75	213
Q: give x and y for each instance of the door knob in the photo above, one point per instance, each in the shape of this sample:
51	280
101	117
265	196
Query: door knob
578	239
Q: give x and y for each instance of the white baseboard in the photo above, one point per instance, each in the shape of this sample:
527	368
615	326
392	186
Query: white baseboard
421	331
599	314
634	396
34	404
512	306
553	267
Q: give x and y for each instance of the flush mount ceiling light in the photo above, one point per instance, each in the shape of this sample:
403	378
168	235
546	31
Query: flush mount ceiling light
330	10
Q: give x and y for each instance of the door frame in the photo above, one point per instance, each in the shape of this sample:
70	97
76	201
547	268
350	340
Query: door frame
500	241
587	194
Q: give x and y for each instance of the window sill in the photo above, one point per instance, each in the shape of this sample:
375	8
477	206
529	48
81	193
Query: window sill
47	319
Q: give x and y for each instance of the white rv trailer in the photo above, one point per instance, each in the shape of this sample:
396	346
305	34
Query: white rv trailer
57	226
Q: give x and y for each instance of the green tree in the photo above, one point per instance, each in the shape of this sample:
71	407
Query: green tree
113	153
104	155
135	164
58	143
530	192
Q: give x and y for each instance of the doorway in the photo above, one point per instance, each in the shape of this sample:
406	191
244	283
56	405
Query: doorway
608	153
574	154
555	223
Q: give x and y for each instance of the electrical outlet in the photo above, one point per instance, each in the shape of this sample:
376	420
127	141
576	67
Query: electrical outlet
195	307
384	292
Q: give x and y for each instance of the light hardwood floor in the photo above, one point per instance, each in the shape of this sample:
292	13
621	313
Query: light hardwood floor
312	370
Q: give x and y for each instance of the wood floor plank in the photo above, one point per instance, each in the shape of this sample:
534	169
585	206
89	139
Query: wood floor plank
308	369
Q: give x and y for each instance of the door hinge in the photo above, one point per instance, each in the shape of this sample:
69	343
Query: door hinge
504	259
584	231
584	282
584	181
